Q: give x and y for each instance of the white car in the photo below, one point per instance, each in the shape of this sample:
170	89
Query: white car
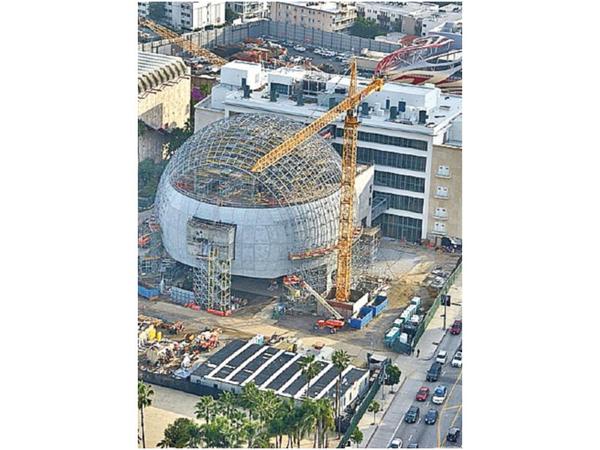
299	48
439	395
457	360
441	357
396	443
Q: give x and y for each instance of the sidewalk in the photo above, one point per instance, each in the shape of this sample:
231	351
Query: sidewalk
433	335
413	374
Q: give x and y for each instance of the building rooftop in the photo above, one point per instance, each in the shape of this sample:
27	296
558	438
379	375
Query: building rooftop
331	7
445	107
155	69
242	362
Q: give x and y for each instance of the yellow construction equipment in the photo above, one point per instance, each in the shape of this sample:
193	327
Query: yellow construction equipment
181	41
344	258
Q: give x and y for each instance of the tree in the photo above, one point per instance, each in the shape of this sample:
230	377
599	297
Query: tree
374	407
149	174
205	408
220	433
393	374
249	398
309	370
366	28
356	436
145	394
176	137
325	420
227	401
341	360
180	434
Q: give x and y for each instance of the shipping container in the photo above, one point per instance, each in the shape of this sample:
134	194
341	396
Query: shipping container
379	304
148	292
362	319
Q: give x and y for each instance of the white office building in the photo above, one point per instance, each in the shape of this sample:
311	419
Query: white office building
399	127
194	15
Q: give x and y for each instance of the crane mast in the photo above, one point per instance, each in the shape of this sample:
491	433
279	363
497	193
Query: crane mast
346	229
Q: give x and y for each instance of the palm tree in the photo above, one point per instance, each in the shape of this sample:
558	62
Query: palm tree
181	434
325	420
220	433
145	394
252	431
374	407
249	397
205	408
237	418
356	436
309	370
341	360
308	420
228	402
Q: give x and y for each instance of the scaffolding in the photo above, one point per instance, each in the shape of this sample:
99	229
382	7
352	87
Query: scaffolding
212	244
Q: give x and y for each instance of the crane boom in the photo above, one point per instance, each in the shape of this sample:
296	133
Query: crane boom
184	43
286	147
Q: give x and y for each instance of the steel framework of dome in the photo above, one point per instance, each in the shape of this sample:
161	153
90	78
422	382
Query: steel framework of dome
290	208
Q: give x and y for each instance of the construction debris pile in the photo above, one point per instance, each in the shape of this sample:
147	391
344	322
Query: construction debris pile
438	276
177	355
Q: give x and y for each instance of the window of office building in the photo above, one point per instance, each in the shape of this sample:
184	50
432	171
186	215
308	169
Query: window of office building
388	140
405	182
443	171
399	227
366	155
403	202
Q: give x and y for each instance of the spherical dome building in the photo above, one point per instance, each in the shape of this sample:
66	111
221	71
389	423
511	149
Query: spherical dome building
289	208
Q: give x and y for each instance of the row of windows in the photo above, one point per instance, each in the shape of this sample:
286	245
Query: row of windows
402	202
366	155
398	227
388	140
405	182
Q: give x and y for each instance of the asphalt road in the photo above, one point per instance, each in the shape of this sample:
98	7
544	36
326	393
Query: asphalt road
450	412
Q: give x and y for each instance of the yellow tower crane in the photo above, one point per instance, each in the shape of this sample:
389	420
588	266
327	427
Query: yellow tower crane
181	41
344	258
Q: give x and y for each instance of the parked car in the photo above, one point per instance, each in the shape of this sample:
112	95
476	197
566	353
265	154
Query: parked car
299	48
422	394
434	372
457	360
413	445
439	395
441	357
431	416
396	443
412	415
456	327
453	434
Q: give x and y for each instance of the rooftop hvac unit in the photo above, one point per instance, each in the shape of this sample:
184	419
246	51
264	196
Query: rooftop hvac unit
393	113
401	106
364	109
422	117
387	104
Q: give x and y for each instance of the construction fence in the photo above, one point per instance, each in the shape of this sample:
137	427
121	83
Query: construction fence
235	34
364	405
408	347
176	383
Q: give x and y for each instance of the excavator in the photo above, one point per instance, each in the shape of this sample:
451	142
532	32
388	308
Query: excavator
346	229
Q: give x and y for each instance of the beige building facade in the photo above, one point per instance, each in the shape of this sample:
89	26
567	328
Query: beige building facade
164	91
445	197
324	16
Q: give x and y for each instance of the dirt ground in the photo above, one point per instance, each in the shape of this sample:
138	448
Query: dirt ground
405	268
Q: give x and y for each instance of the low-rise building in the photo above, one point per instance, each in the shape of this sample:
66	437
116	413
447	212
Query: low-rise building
143	9
324	16
250	10
163	99
195	15
269	368
414	18
400	127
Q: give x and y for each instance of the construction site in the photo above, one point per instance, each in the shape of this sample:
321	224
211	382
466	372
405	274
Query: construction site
262	231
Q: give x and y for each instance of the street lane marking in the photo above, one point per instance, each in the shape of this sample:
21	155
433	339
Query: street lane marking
453	422
452	407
